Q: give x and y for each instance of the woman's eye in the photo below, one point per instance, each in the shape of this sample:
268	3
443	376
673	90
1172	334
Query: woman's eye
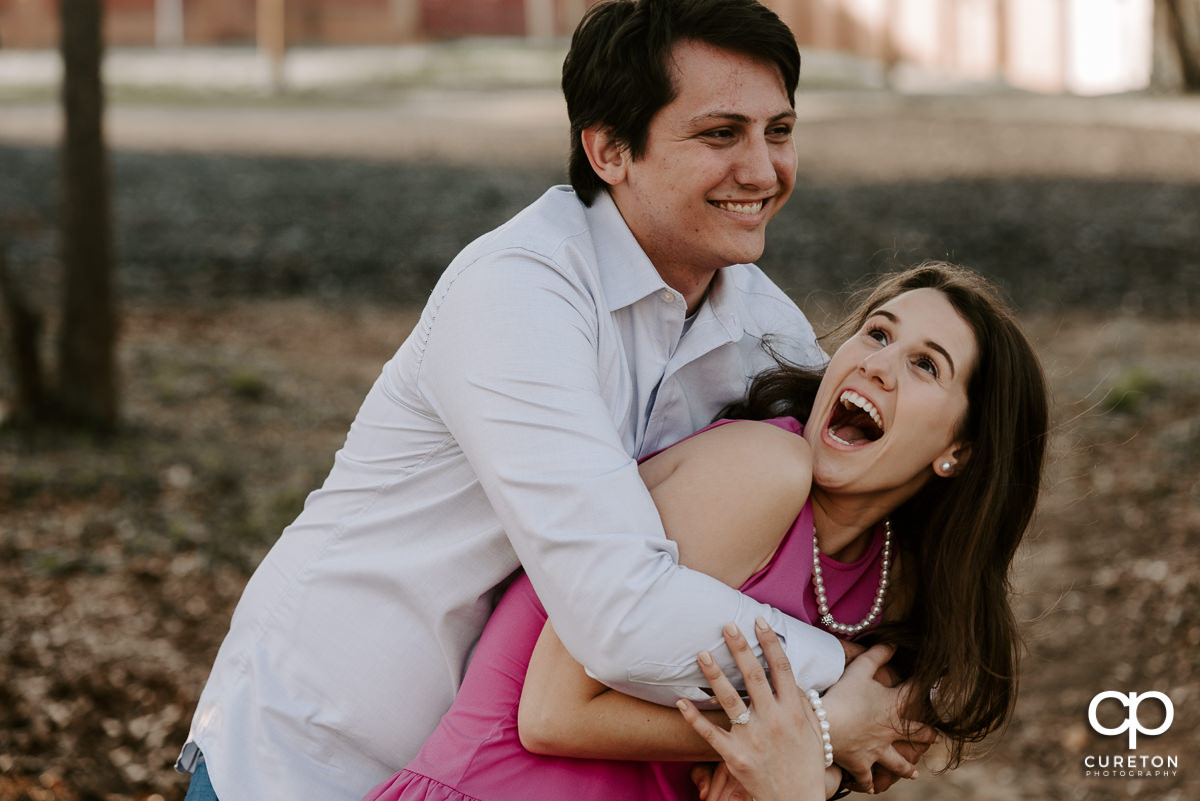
878	335
928	365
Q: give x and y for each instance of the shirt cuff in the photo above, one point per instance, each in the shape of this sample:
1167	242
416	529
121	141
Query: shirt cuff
189	758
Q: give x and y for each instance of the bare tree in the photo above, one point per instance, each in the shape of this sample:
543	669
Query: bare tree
23	333
87	373
1176	46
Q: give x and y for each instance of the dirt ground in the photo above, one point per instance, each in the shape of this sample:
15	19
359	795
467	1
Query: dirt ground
263	291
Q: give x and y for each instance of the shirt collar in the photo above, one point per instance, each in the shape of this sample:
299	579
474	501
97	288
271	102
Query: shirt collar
625	270
725	303
628	275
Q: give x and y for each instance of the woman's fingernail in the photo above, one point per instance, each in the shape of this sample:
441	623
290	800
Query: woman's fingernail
681	705
705	658
760	623
731	630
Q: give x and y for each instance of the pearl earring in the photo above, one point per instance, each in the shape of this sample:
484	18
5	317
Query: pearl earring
947	467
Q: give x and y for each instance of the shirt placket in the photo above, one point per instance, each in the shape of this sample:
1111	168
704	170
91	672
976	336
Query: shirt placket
706	335
659	322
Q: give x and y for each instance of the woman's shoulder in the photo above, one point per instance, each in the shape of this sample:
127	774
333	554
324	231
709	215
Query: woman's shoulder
783	433
759	447
787	424
746	477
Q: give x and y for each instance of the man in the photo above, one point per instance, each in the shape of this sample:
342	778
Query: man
598	325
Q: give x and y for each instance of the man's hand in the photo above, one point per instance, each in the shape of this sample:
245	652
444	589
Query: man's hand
884	778
853	650
865	718
716	783
912	751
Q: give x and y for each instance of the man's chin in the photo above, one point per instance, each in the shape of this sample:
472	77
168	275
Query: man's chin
747	255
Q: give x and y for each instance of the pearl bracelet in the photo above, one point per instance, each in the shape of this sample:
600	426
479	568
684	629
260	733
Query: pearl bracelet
814	698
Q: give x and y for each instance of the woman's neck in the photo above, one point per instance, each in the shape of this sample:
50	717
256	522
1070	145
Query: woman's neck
843	528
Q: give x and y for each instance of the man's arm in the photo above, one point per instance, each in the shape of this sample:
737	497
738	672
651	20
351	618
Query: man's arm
512	366
746	476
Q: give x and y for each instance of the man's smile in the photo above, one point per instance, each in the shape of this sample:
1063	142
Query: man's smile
748	207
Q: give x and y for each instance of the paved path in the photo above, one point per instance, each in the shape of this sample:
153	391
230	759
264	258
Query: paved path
498	102
513	126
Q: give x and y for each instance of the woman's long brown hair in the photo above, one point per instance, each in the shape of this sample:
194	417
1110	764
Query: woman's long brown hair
956	538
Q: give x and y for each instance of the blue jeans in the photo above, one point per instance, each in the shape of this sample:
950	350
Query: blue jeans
201	788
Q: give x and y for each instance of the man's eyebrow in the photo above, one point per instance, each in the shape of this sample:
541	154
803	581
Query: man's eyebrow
929	343
733	116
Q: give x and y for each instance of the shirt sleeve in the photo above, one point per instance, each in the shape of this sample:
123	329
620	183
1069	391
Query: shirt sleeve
512	364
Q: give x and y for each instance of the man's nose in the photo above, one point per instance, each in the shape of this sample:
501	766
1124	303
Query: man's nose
756	165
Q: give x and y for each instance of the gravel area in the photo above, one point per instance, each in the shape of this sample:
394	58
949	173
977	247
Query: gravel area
1060	205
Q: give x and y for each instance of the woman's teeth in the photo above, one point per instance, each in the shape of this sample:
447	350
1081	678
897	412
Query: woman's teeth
851	398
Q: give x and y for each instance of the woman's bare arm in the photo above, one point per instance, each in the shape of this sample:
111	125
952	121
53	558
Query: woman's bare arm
565	712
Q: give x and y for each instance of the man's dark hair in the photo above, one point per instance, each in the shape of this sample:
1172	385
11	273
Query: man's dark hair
617	72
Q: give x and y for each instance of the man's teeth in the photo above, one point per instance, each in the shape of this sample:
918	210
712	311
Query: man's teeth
739	208
851	398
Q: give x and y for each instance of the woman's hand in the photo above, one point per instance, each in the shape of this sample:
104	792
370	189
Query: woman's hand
714	782
778	755
865	722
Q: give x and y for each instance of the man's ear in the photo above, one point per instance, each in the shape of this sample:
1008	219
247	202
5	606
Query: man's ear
951	461
608	158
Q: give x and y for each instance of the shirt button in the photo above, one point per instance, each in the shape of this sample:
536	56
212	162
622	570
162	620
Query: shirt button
667	296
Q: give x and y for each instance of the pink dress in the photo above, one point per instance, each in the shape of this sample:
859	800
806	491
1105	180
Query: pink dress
475	754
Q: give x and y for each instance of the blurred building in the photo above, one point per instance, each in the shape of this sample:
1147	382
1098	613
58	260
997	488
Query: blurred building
1081	46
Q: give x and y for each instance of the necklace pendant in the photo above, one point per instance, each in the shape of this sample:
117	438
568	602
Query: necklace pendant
818	584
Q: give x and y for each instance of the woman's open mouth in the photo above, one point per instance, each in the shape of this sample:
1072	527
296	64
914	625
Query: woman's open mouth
855	420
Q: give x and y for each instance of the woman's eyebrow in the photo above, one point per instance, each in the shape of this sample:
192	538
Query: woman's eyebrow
929	343
945	354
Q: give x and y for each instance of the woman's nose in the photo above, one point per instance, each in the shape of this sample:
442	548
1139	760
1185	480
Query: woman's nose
879	367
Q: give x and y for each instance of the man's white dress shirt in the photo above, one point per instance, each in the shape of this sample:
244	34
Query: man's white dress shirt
504	432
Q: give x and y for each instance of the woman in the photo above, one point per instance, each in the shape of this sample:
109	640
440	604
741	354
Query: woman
924	448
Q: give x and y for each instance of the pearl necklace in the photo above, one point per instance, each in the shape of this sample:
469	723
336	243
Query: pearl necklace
818	583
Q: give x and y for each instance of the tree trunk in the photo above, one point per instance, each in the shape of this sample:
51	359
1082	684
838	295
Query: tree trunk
1176	46
23	349
87	376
